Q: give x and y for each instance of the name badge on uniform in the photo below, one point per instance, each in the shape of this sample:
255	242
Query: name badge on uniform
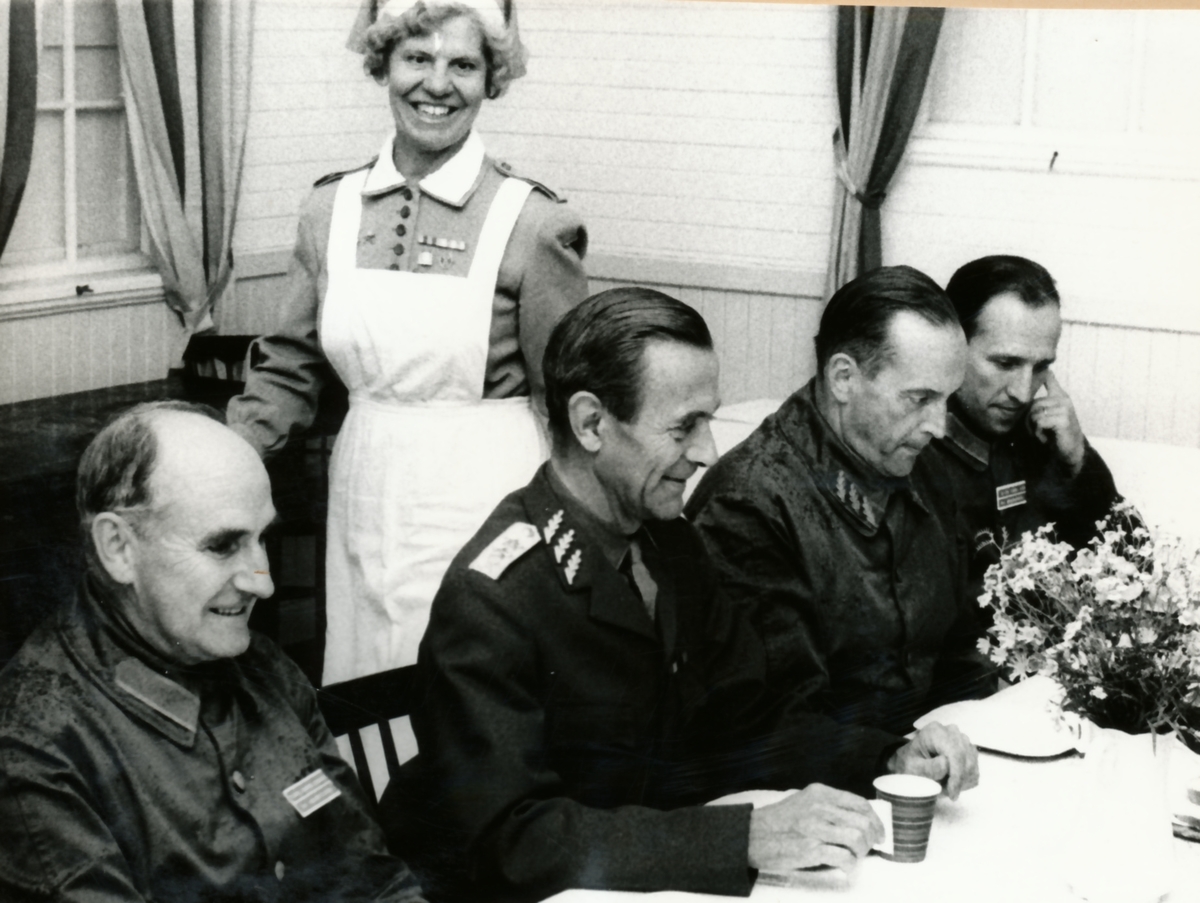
310	793
1010	495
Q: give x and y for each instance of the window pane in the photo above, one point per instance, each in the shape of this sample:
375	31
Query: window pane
979	68
97	73
1084	69
107	219
50	74
37	235
95	23
52	23
1171	90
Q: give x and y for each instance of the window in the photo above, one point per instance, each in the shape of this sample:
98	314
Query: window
79	216
1114	92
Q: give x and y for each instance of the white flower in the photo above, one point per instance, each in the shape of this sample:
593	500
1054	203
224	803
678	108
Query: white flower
1146	635
1125	642
983	646
1099	693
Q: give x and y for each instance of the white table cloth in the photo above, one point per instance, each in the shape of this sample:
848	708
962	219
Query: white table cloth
1001	841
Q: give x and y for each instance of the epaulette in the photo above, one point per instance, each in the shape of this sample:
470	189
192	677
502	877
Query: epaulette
505	169
334	176
515	541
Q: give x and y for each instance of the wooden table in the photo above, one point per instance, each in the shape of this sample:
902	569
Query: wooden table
1001	842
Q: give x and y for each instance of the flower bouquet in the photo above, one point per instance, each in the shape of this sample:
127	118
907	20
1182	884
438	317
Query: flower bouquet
1116	624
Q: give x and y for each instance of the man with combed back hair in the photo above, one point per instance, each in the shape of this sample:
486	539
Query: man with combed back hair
1014	454
151	747
827	526
583	687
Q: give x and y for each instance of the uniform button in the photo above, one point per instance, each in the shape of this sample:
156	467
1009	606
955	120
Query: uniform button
401	230
280	870
398	250
674	667
404	212
239	782
406	193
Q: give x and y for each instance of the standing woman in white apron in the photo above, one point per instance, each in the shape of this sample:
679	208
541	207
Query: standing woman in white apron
430	280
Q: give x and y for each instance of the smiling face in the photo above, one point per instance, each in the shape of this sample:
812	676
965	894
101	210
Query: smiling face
890	417
642	466
199	563
1007	360
436	84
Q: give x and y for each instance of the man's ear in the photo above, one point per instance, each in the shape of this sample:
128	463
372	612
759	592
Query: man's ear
841	376
585	412
115	545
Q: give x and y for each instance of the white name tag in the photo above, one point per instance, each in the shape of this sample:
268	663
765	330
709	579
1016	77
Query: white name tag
310	793
1010	495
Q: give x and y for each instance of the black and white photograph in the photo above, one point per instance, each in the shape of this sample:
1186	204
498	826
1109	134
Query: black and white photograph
595	450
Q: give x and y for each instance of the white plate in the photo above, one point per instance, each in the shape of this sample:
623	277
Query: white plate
1019	720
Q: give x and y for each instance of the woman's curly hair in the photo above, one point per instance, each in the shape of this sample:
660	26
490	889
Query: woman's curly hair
503	53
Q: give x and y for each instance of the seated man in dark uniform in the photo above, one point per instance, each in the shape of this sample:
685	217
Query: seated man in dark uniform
583	686
824	523
151	747
1014	455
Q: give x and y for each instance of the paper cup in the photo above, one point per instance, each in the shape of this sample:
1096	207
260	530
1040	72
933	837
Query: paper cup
911	799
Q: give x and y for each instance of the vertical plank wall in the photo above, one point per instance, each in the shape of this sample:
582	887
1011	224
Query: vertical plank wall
56	354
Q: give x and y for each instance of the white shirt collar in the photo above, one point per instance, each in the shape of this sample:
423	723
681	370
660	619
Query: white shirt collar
452	182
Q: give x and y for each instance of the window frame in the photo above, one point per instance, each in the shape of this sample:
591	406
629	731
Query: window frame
1025	147
75	282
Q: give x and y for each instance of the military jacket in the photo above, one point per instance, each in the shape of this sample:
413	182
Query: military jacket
854	582
1014	485
565	738
120	783
432	226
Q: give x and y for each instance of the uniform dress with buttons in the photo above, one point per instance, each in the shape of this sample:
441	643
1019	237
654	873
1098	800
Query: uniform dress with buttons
433	302
567	736
856	582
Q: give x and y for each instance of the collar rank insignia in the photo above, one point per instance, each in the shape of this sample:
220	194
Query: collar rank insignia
854	499
564	543
552	525
506	548
572	566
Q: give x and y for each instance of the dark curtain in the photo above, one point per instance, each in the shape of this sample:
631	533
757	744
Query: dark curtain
18	105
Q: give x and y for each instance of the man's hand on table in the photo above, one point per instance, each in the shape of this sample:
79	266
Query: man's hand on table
940	752
816	826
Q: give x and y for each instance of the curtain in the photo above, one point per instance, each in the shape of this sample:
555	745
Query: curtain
185	67
883	59
18	105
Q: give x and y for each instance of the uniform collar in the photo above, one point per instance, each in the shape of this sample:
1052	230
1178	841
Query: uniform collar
854	488
975	451
167	698
574	539
452	183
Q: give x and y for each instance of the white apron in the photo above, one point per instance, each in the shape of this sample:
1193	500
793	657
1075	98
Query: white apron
422	458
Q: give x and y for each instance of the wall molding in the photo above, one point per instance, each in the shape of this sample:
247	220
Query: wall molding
630	268
69	304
